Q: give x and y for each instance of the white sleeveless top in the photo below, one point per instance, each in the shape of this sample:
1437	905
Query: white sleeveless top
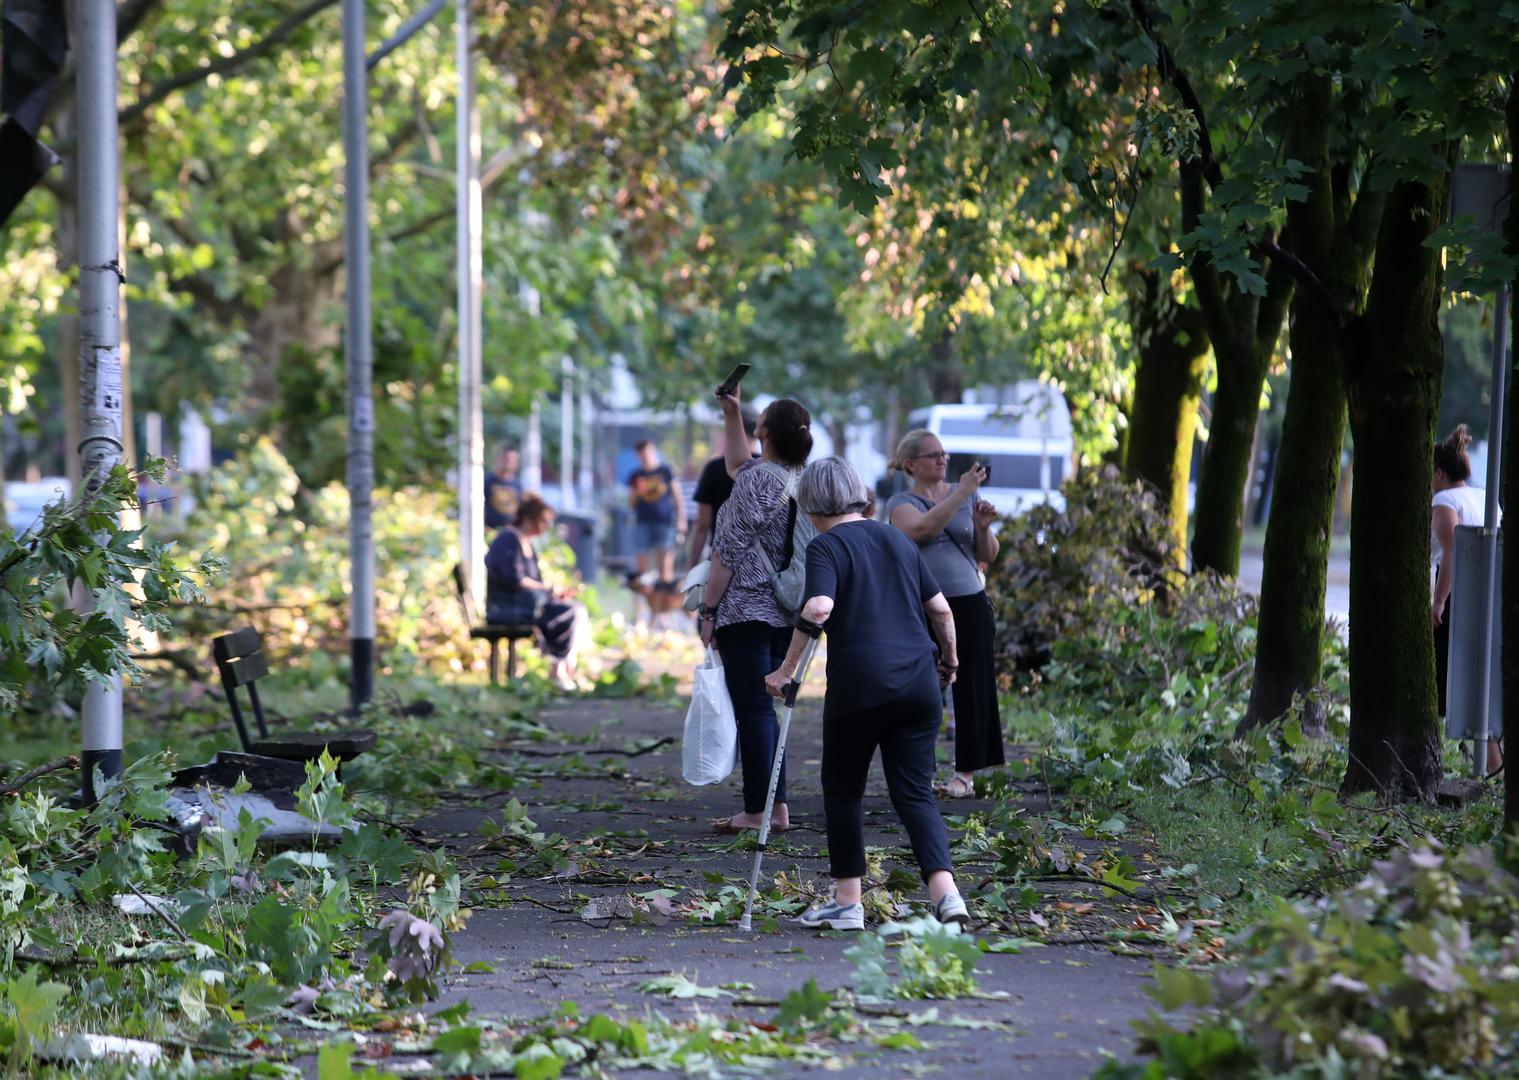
1470	505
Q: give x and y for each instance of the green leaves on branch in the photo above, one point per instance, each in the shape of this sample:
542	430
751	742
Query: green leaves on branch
132	582
1411	971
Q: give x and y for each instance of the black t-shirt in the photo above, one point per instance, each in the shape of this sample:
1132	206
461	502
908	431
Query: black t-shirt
879	645
656	503
502	495
714	485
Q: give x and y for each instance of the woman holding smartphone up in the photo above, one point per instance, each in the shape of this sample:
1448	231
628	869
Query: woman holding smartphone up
739	611
953	529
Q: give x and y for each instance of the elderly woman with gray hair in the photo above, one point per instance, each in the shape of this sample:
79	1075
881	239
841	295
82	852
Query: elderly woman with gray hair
869	587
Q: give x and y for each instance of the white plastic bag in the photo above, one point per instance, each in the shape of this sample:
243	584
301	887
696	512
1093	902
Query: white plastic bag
710	747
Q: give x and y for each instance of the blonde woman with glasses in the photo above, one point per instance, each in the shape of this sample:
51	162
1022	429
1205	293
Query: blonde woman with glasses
953	529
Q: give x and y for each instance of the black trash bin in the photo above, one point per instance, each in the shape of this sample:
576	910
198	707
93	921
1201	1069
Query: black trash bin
619	547
582	531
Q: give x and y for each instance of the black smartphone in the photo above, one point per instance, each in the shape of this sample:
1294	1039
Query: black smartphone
735	377
986	465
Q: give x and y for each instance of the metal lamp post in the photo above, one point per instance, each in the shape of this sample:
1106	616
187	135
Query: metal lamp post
470	287
100	380
358	358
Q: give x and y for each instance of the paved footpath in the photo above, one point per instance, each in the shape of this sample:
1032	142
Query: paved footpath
584	931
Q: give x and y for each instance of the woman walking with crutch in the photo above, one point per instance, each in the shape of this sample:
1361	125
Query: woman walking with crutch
868	586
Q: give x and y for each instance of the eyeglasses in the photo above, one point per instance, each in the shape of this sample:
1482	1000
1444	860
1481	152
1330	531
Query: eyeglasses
939	456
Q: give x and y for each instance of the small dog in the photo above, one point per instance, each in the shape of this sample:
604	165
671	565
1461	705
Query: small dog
664	598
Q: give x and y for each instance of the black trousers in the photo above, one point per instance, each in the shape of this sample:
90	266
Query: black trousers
750	651
905	731
978	720
1442	654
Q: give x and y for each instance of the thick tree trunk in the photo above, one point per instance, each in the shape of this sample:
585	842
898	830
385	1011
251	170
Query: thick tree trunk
946	376
1218	518
1173	363
1395	357
1510	598
1243	329
300	316
1289	641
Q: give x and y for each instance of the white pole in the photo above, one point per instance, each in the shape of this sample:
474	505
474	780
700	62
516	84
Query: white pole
532	452
1490	527
100	280
469	279
587	478
566	433
361	628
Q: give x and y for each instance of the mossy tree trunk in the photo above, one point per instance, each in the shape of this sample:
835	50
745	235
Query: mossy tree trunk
1244	330
1395	358
1333	232
1168	384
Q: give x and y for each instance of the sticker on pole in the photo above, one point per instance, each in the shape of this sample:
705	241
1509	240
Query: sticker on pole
108	395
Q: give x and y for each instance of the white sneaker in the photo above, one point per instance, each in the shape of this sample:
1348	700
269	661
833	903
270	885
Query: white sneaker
951	909
834	916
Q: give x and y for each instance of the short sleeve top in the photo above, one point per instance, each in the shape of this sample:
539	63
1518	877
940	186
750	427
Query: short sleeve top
714	485
756	512
502	494
950	553
652	489
879	645
1470	505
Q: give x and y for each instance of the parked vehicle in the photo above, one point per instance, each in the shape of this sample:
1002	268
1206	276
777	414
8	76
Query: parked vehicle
24	500
1026	441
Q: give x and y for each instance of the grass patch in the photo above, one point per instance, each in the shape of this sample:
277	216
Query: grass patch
1207	828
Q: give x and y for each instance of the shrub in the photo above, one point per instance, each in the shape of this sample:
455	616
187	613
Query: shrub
1069	571
1414	971
286	551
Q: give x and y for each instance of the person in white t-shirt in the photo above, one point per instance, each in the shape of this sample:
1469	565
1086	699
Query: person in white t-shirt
1455	502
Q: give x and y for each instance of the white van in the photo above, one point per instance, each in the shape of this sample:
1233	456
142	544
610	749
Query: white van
1026	441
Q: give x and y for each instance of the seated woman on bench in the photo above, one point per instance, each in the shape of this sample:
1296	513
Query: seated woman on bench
516	594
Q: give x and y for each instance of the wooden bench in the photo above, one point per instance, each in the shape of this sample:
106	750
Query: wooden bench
241	661
495	633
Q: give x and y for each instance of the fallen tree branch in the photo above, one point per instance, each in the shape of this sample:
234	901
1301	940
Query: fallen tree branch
162	914
1082	879
56	765
666	741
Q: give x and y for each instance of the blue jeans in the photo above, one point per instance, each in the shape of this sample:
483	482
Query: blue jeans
651	536
750	651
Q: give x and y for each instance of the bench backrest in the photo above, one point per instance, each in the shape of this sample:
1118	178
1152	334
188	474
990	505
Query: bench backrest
240	660
466	601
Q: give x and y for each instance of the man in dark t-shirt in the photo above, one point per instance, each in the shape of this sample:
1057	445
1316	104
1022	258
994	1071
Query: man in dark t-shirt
503	488
712	490
659	513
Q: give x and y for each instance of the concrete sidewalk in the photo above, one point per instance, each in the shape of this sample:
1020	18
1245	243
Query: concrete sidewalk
632	826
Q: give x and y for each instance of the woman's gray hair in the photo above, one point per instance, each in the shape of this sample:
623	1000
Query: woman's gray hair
830	487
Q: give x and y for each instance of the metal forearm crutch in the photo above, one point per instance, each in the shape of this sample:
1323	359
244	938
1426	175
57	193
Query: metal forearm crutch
788	702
